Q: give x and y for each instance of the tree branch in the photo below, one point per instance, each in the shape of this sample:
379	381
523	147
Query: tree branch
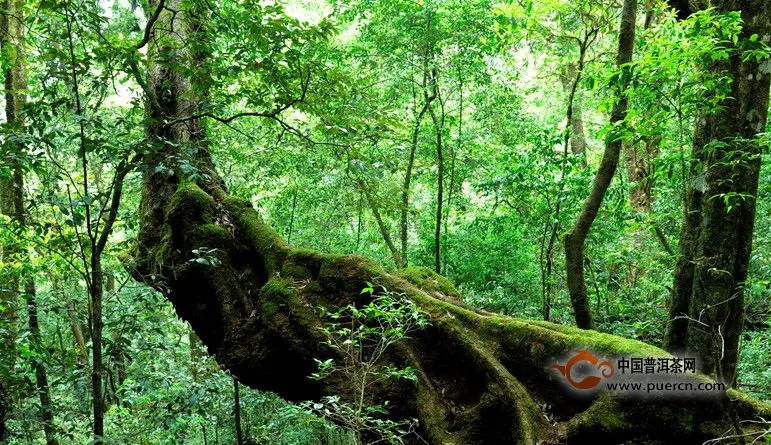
149	26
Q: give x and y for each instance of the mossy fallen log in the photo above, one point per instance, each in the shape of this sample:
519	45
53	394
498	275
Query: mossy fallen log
482	378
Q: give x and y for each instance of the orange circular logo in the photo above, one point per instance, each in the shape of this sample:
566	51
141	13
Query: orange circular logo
605	368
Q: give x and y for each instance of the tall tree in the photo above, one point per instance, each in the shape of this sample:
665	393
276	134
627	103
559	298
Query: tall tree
575	238
575	143
100	211
11	182
12	203
438	119
428	95
707	302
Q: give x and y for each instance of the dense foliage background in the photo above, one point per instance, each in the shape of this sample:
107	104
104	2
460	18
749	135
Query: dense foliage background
466	97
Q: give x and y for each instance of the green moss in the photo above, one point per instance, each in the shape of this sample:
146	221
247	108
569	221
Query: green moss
527	413
279	289
161	253
275	293
347	275
429	280
355	262
748	406
601	342
209	235
189	205
237	203
286	299
256	234
270	309
432	412
303	264
603	417
537	342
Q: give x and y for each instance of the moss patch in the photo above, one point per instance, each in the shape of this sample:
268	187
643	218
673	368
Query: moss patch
277	292
209	235
256	235
748	406
430	281
604	417
601	342
303	264
189	205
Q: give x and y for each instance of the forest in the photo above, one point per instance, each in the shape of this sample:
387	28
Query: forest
349	222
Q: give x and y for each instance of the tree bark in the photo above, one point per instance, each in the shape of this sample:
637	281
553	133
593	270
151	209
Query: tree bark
41	375
405	209
569	77
96	292
11	189
482	378
237	412
382	224
575	238
682	286
12	204
77	334
639	160
707	303
438	122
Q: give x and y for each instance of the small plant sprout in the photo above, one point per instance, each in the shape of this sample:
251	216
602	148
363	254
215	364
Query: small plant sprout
360	337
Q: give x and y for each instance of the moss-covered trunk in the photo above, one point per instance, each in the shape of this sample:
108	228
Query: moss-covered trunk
707	305
253	300
482	377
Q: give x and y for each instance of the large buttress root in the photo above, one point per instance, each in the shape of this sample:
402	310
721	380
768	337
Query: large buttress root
482	378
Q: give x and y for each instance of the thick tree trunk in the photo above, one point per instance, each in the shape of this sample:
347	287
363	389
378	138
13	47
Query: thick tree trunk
576	237
680	299
707	300
482	378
